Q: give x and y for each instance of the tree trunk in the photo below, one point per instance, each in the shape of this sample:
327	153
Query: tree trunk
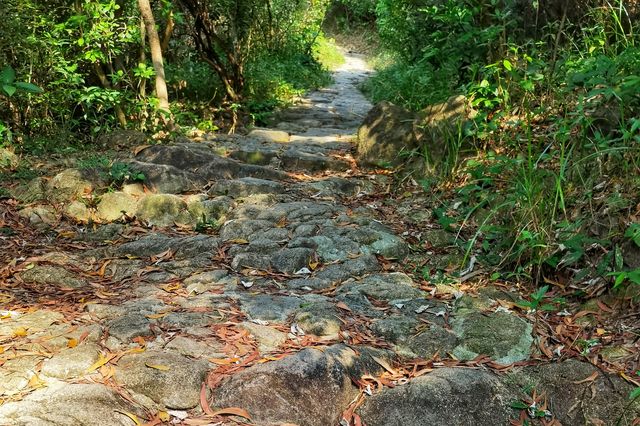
156	54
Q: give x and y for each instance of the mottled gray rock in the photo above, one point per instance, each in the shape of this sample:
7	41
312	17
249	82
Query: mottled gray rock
129	327
246	186
448	396
309	388
77	211
53	275
269	307
39	216
163	210
65	404
184	247
503	336
294	159
269	339
203	209
33	322
291	260
194	348
32	191
68	185
72	362
114	205
384	287
8	159
171	380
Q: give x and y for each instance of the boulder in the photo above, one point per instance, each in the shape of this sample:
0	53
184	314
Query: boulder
574	398
114	205
386	131
169	379
68	185
389	130
309	388
448	396
163	210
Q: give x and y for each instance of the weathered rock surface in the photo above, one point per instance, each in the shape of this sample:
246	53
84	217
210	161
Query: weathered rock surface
69	405
449	396
308	388
169	379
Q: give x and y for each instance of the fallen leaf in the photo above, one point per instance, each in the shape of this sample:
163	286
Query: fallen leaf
591	378
72	343
36	382
384	364
100	362
239	241
138	149
232	411
158	366
20	332
204	403
343	306
224	361
157	316
131	416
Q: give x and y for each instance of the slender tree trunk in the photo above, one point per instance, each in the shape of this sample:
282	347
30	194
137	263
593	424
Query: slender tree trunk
156	54
102	76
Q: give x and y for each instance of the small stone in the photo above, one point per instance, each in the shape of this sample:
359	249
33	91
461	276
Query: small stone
78	211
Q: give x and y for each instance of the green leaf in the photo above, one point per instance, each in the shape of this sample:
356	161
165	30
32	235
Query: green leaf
7	75
28	87
9	89
635	393
633	232
507	65
519	405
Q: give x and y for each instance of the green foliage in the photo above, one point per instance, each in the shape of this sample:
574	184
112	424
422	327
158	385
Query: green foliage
9	86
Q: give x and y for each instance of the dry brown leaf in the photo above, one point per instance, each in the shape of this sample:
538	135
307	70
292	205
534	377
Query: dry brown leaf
591	378
158	366
384	364
72	343
138	149
343	306
232	411
204	403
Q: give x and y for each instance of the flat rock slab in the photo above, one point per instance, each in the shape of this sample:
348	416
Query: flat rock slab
171	380
69	405
449	396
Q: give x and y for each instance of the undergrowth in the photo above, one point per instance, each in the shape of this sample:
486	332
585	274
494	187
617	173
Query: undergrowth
542	183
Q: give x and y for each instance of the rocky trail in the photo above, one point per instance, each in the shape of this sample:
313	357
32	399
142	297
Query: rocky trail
290	303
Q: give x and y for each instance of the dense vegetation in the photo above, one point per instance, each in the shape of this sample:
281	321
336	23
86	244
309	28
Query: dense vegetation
99	64
543	182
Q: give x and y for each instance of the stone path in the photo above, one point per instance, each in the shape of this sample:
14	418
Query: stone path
284	307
